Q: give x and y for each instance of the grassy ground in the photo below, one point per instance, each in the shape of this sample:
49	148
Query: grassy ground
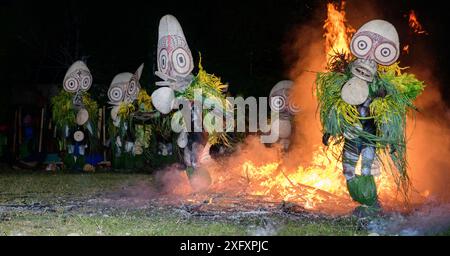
33	203
26	186
140	223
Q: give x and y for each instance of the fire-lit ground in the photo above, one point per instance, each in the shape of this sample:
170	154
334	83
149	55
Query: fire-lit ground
39	203
259	177
112	203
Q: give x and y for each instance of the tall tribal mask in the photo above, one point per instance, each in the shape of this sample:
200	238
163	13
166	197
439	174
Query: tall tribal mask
174	55
78	79
175	63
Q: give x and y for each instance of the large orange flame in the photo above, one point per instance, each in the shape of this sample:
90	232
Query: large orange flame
337	31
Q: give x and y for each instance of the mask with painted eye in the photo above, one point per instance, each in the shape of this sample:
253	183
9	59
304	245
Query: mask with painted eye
279	98
132	90
386	54
181	61
361	45
174	55
86	81
378	41
71	85
116	94
133	87
118	89
78	77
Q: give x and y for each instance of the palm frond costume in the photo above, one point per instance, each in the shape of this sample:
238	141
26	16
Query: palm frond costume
363	103
128	139
202	96
75	115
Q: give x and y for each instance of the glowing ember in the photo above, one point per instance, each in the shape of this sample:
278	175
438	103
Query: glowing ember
406	49
415	25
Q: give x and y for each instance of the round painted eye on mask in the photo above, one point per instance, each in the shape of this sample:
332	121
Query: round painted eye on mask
71	85
278	103
361	46
78	77
163	60
86	82
385	54
181	61
116	94
132	89
376	40
279	96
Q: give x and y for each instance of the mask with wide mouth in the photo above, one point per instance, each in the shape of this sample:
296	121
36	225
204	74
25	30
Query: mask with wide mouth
364	69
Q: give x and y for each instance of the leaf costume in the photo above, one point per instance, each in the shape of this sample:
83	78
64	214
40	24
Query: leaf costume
202	96
131	103
75	115
363	103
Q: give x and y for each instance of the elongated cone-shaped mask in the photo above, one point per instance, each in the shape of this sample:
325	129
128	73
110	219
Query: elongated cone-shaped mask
174	55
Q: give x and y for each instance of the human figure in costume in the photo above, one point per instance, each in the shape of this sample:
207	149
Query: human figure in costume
282	105
363	101
179	86
75	115
128	138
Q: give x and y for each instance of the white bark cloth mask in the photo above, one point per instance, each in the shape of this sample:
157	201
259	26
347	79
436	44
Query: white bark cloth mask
77	78
125	87
174	56
376	42
280	101
175	63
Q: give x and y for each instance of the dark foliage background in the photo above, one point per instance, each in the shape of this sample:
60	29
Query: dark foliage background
241	41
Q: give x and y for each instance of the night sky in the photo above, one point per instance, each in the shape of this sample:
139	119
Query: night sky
241	41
